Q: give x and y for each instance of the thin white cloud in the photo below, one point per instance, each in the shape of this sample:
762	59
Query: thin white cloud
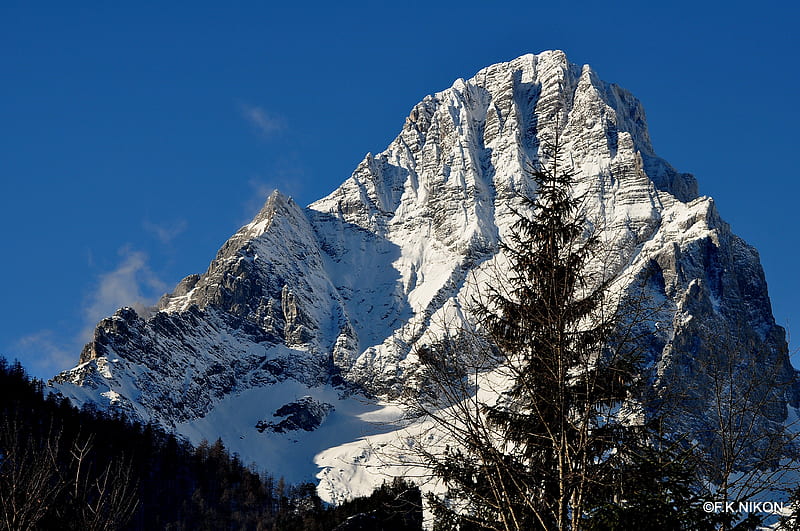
261	190
46	354
286	177
132	283
263	121
166	231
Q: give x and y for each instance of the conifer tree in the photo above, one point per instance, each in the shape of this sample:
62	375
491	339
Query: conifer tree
533	458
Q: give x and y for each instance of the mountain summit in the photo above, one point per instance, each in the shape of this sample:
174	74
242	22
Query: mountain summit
305	325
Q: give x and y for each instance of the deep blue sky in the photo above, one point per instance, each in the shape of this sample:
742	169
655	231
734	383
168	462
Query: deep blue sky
134	140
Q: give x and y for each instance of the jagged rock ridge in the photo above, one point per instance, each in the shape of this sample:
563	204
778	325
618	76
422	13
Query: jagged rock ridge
334	297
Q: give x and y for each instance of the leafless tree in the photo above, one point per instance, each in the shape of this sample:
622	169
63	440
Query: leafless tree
29	476
43	476
103	500
734	408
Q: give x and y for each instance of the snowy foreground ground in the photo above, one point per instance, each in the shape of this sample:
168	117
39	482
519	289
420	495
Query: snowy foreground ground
360	445
352	422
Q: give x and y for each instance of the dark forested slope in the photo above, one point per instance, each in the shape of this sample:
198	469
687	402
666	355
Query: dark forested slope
65	468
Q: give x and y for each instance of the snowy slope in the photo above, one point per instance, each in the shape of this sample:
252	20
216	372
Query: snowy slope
330	301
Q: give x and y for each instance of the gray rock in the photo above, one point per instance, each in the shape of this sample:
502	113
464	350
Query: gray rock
303	414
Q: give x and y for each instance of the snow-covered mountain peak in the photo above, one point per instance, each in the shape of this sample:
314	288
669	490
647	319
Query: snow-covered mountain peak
276	204
303	307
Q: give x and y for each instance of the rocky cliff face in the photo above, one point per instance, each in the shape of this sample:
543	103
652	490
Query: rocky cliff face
330	300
